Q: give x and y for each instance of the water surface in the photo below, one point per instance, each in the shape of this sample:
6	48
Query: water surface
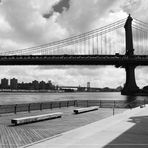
16	98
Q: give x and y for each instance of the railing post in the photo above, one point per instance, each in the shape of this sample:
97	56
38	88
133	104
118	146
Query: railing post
144	102
67	103
87	103
51	105
15	108
74	103
59	104
41	106
114	103
113	110
29	108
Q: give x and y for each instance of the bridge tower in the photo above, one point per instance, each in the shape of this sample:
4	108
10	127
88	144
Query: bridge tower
130	86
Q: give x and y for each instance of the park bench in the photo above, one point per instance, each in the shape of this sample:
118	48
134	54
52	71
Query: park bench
36	118
86	109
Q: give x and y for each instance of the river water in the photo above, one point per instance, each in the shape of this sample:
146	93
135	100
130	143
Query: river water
17	98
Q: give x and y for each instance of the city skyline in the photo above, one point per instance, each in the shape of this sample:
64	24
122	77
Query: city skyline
33	85
13	80
26	24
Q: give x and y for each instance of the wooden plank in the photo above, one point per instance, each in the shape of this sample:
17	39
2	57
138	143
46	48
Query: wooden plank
86	109
37	118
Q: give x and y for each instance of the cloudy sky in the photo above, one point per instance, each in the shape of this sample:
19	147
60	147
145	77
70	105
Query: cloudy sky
27	23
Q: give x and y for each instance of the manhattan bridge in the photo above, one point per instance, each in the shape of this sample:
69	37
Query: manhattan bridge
123	43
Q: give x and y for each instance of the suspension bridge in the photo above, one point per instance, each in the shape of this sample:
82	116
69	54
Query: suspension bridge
108	45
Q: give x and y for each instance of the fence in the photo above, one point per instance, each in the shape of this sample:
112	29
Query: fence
14	108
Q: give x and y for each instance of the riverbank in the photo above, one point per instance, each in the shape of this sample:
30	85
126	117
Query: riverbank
16	136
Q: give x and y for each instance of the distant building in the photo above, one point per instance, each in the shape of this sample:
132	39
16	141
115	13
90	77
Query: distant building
13	83
25	86
35	85
4	83
21	85
88	86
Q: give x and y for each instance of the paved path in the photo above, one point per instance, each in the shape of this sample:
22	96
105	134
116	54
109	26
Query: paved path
128	129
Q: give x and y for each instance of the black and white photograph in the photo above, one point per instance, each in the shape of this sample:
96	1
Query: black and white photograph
73	73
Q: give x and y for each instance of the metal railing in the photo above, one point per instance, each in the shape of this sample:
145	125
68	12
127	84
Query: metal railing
15	108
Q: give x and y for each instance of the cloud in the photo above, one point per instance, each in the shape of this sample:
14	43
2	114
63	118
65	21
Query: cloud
131	6
79	17
136	8
26	23
141	76
58	7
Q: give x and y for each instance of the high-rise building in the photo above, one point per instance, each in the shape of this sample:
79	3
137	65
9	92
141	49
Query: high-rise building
13	83
4	83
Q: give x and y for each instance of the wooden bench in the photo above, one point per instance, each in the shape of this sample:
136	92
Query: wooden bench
86	109
37	118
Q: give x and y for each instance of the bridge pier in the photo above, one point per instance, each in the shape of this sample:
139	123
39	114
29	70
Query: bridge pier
130	87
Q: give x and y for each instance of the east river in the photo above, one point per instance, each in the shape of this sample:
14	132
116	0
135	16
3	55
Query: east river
16	98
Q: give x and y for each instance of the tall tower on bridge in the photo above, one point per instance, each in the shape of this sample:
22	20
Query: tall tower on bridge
130	86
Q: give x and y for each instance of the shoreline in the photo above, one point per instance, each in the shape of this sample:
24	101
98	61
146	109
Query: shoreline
54	92
44	91
51	91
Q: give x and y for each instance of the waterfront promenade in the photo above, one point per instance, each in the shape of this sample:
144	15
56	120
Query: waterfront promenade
18	136
126	130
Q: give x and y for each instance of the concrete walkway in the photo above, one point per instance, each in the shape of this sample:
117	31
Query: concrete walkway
128	129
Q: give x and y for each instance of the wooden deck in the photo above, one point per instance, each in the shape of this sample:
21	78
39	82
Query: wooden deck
17	136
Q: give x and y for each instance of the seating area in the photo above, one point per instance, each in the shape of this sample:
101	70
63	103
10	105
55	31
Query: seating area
86	109
30	119
37	118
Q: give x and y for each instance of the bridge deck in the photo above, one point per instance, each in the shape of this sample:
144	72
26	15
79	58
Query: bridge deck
74	60
16	136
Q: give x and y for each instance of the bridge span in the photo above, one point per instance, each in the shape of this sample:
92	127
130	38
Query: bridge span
117	60
103	46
